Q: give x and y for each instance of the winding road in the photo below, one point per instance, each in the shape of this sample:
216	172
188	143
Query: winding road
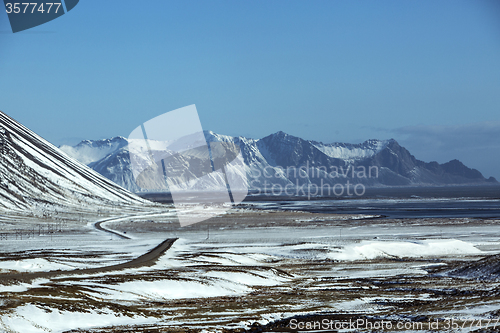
145	260
98	226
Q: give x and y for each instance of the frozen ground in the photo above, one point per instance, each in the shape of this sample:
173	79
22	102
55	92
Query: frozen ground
246	269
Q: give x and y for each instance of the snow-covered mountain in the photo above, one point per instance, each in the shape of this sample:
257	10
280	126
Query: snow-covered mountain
286	160
109	158
35	175
91	151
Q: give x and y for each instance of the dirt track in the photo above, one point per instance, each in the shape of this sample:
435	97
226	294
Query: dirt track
147	259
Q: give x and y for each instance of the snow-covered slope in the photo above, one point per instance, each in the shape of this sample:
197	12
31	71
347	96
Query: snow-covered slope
35	175
279	159
351	152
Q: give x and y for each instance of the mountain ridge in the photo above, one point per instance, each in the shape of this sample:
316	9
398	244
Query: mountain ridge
394	164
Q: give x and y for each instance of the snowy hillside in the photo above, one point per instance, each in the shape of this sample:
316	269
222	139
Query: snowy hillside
35	175
286	160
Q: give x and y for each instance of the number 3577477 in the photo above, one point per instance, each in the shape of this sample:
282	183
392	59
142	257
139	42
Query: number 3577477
32	7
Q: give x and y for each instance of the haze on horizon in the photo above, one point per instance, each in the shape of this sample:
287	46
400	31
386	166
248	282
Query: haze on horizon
425	73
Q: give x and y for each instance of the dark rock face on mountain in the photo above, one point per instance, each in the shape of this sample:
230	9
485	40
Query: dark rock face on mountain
285	160
36	176
373	162
116	166
288	150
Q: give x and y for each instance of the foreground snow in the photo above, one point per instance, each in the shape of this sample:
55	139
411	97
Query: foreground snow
238	263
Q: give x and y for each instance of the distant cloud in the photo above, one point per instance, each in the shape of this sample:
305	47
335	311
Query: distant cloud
477	145
485	134
70	141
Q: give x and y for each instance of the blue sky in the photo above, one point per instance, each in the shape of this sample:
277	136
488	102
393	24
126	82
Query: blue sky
426	73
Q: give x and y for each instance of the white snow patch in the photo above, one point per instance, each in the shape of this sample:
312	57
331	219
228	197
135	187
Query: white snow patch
350	152
381	249
249	279
31	265
169	289
17	288
31	318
